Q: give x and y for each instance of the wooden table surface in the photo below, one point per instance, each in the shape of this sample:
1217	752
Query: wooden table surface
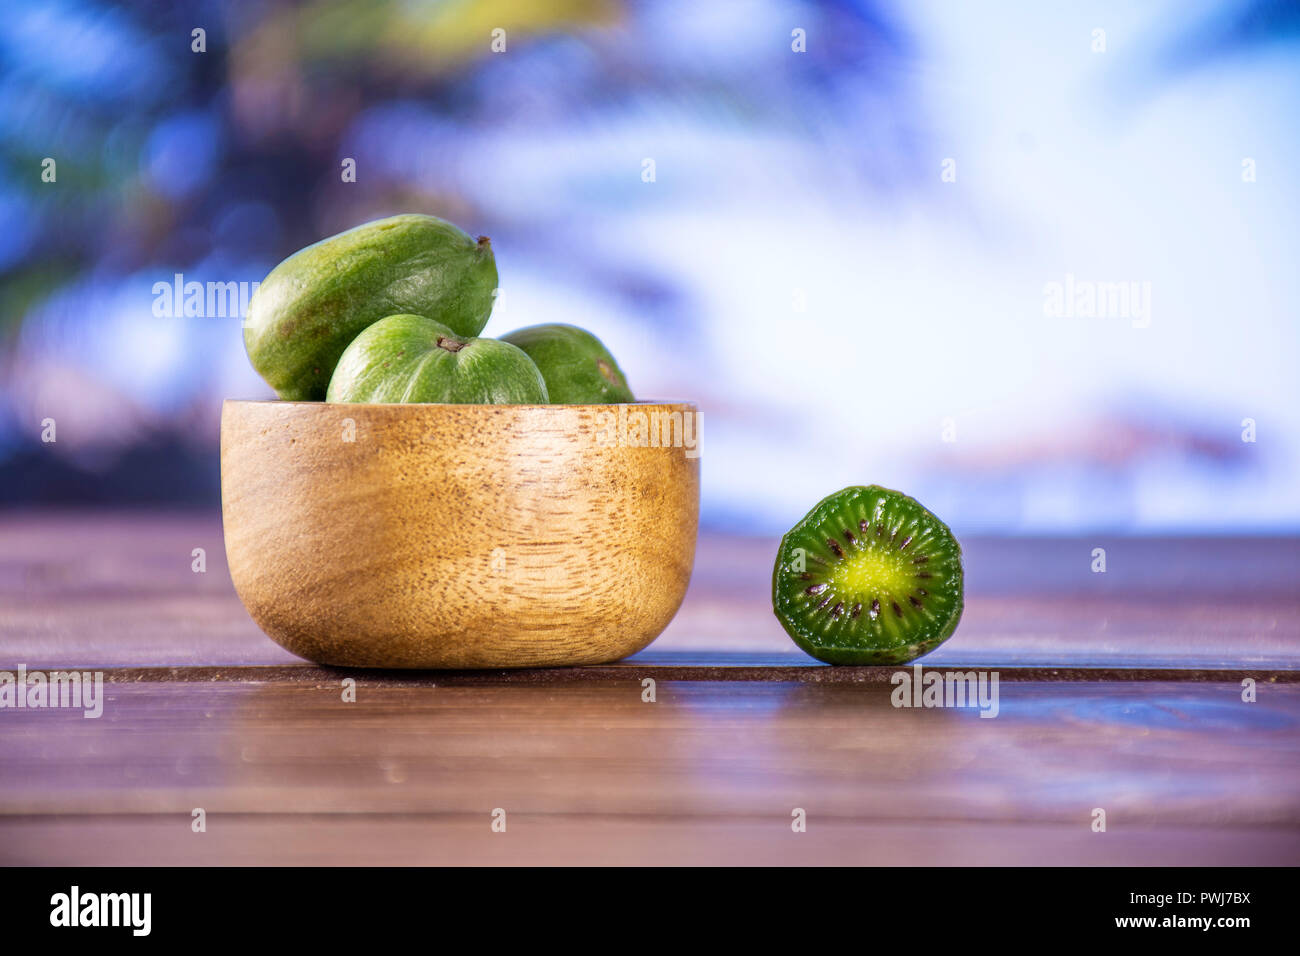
1120	691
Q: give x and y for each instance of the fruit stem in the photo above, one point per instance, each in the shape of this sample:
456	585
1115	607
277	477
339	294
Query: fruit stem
451	345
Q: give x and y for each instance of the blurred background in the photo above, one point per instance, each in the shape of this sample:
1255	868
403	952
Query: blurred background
863	236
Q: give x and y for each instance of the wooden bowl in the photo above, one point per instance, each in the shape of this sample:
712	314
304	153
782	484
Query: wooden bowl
460	536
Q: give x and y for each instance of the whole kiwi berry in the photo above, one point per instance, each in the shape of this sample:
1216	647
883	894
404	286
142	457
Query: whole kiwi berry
410	358
577	367
304	314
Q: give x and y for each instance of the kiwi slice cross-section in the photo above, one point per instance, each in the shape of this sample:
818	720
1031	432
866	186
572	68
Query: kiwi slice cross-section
869	576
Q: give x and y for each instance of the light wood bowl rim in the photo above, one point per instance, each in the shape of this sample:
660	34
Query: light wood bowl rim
280	402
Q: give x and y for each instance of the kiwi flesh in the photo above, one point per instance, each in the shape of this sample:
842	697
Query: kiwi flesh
868	576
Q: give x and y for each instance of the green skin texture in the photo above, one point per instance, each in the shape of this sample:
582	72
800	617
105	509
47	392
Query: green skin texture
313	304
576	365
410	358
886	655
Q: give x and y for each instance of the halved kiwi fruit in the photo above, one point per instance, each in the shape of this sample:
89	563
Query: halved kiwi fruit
869	576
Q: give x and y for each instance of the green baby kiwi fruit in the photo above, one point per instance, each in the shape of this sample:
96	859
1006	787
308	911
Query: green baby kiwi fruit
410	358
577	367
314	303
869	576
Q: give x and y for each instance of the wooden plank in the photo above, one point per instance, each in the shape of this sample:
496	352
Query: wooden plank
1116	692
118	591
667	666
544	840
1153	754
